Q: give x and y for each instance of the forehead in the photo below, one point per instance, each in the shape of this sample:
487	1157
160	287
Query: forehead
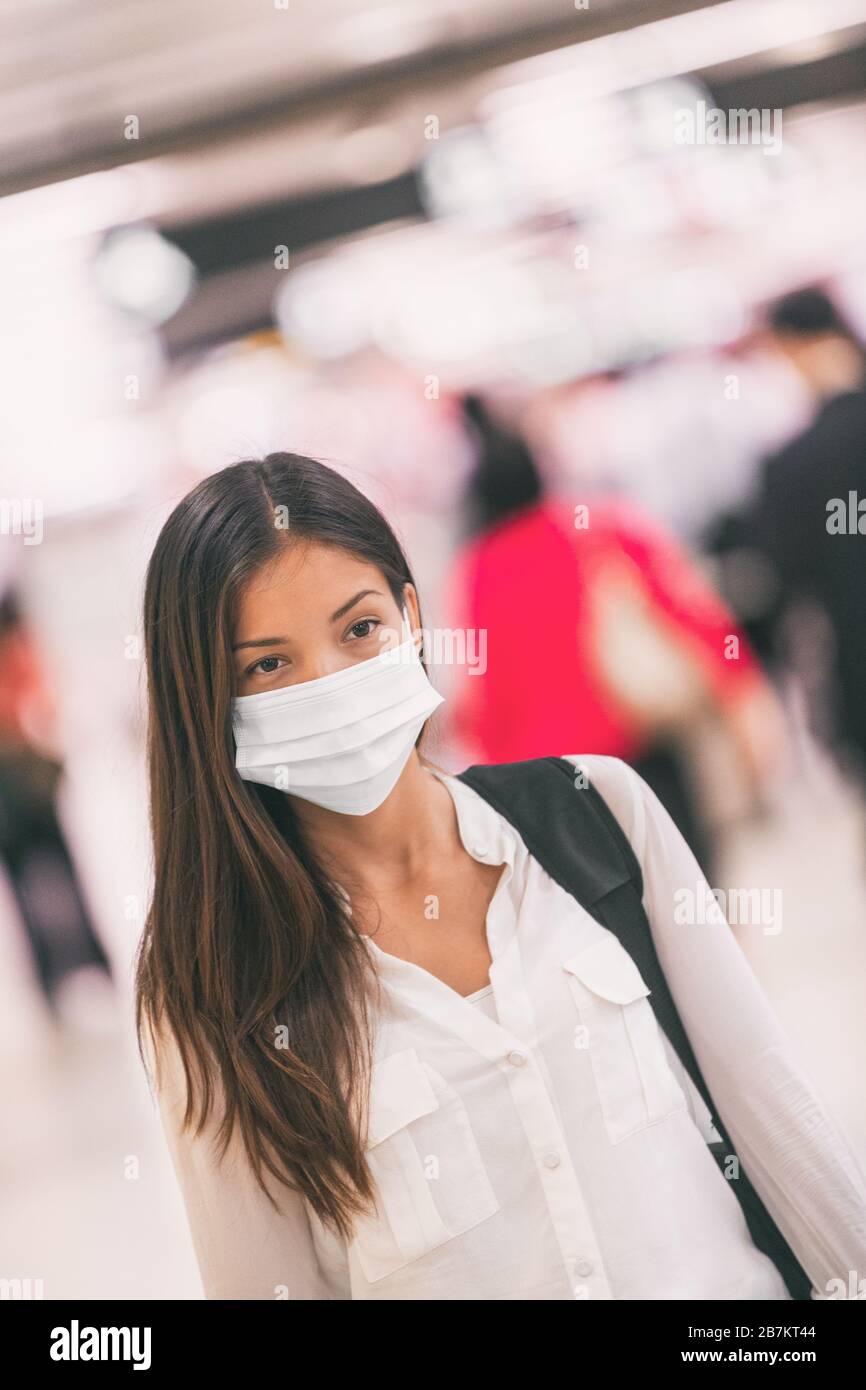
305	581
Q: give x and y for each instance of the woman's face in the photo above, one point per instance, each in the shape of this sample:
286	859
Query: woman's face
312	611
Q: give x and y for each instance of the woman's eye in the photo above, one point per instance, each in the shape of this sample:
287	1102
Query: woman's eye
364	627
266	666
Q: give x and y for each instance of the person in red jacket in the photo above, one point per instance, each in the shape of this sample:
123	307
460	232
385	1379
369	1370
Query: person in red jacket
601	634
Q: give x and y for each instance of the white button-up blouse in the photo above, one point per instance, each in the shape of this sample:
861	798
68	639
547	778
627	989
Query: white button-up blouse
540	1139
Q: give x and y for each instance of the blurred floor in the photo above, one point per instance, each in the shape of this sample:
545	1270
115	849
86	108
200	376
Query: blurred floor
814	970
88	1201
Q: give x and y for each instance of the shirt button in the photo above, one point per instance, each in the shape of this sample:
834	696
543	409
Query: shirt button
517	1059
552	1160
480	849
584	1268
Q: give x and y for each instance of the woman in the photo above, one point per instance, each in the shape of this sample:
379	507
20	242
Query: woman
355	984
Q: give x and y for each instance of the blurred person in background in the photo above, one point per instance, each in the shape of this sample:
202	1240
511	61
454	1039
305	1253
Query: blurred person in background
629	644
33	848
808	516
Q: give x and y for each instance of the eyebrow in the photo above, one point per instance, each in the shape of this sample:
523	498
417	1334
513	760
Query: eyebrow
340	613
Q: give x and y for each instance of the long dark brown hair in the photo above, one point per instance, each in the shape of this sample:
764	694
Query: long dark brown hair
247	939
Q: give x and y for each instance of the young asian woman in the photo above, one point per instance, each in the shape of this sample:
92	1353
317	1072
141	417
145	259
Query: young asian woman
393	1058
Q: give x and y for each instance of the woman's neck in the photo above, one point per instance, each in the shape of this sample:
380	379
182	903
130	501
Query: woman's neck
415	826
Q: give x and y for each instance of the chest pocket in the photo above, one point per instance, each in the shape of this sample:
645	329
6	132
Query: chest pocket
616	1024
430	1177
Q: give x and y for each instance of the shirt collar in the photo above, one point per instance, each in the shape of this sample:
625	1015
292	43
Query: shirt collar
485	835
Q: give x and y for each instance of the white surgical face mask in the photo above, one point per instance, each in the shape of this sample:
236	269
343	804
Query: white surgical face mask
340	741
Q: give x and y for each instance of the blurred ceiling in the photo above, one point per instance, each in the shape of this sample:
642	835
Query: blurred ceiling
302	123
188	71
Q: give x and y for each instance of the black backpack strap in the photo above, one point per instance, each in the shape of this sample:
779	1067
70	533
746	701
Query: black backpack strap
569	828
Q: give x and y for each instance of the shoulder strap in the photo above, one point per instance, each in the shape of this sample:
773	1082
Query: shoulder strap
568	827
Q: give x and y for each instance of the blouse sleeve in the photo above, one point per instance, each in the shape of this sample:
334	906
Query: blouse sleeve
245	1249
799	1162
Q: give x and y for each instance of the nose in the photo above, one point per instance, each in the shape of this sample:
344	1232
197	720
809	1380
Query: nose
323	665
